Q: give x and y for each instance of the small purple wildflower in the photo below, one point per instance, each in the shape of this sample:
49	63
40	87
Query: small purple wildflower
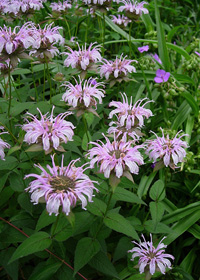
116	157
61	187
161	76
117	69
143	49
133	9
3	145
151	259
197	53
84	58
156	57
121	20
170	151
84	95
49	131
129	115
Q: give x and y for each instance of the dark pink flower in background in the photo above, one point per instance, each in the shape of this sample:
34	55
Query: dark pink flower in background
169	151
118	156
161	76
151	258
61	187
143	49
49	131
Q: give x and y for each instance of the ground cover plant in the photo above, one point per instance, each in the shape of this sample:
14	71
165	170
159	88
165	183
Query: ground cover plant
99	140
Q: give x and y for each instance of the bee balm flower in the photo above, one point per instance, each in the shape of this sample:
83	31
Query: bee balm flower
50	132
133	9
3	145
61	187
151	259
169	151
118	156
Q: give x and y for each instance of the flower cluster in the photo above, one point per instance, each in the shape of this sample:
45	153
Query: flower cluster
83	95
118	69
61	187
151	259
130	118
45	40
133	9
84	59
3	145
169	151
18	7
14	42
118	157
49	132
60	7
121	20
102	5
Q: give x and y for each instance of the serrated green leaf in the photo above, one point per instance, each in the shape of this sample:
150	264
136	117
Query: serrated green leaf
157	191
85	250
118	223
44	271
125	195
35	243
157	211
44	220
101	263
97	207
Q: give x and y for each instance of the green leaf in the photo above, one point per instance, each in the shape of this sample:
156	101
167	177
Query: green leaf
11	269
121	249
45	271
149	24
153	227
44	220
125	195
183	225
157	211
97	207
118	223
181	115
85	141
35	243
3	180
195	231
9	163
22	71
145	183
157	191
85	250
101	263
162	47
16	182
20	107
188	262
13	149
25	203
191	101
181	213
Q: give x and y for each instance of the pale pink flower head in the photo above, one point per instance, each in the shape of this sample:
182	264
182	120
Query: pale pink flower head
3	145
83	95
18	7
14	43
161	76
61	187
117	70
121	132
143	49
121	20
46	38
151	259
60	7
101	5
133	9
49	132
168	151
84	58
117	157
129	115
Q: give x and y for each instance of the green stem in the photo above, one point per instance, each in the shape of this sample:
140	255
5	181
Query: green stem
130	46
55	225
34	83
107	208
104	31
44	84
86	128
49	78
10	90
68	28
